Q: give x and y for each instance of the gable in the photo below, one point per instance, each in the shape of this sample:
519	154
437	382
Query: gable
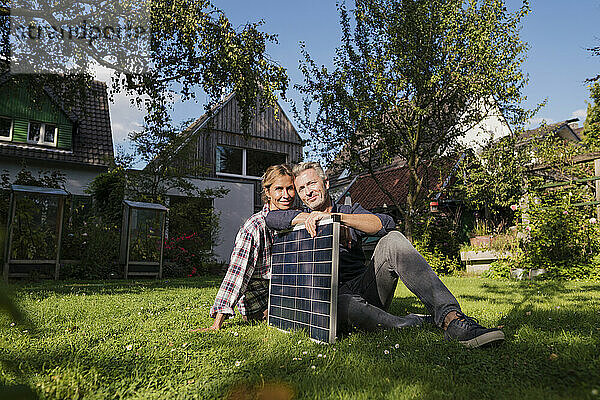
269	132
270	124
84	131
23	106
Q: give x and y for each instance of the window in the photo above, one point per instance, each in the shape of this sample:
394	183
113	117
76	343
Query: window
229	160
5	128
42	133
246	162
258	161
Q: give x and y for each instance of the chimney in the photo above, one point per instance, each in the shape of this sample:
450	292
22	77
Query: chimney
573	123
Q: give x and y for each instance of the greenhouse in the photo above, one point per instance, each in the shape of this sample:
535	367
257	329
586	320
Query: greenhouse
34	232
142	238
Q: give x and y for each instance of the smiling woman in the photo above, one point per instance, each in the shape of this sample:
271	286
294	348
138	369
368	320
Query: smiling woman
278	188
246	283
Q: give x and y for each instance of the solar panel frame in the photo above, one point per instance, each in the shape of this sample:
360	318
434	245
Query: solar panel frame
294	269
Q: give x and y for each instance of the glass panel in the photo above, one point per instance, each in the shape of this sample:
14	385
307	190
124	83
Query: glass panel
78	210
49	133
5	125
4	205
34	131
35	232
258	161
229	160
145	235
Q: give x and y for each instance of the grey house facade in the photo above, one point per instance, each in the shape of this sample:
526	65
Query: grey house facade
236	161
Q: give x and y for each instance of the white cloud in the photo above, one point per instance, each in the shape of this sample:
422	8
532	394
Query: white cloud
537	121
124	116
581	114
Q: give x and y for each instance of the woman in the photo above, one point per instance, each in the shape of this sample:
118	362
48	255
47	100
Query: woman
246	282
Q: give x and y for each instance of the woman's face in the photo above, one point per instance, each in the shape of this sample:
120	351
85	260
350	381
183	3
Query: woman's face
281	193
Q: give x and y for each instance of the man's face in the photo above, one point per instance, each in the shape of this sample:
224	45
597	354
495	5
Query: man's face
281	193
312	189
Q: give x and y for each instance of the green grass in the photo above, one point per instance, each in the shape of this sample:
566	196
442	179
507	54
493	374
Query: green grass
118	339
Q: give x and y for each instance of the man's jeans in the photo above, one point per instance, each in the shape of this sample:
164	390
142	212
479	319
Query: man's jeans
363	302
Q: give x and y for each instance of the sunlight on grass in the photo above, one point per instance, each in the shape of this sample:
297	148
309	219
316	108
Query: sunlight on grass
130	340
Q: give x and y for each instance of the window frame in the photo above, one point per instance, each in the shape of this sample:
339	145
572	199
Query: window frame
244	163
42	140
10	133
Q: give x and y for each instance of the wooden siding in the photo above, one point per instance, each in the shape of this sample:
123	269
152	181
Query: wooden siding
18	104
267	132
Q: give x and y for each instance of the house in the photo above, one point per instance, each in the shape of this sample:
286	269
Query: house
236	160
568	130
493	127
39	132
362	188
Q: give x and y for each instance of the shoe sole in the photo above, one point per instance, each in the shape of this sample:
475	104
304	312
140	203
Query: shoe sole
427	318
482	340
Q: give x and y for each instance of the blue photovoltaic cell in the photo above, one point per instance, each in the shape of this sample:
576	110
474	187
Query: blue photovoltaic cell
303	279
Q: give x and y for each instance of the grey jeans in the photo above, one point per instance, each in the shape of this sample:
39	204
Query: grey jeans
363	302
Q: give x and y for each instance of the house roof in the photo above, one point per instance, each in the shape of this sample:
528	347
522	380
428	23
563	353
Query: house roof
564	128
365	191
203	120
92	134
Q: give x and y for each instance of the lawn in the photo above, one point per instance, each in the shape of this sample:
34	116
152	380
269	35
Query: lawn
116	339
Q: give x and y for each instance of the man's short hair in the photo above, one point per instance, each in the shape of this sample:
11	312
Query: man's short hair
299	168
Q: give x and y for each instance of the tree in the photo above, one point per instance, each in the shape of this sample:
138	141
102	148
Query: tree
494	180
410	78
591	126
187	46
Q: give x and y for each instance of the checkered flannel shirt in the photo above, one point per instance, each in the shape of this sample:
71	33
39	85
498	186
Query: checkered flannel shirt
246	282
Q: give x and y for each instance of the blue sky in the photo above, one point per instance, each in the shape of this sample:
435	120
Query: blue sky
558	33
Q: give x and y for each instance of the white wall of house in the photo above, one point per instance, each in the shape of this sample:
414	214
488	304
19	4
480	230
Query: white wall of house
494	126
234	209
77	177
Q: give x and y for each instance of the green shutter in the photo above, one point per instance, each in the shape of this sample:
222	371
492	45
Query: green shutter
20	128
65	133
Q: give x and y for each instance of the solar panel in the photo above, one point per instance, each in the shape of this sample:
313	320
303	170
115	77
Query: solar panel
304	280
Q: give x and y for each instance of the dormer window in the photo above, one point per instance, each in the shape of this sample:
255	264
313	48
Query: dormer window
42	133
6	127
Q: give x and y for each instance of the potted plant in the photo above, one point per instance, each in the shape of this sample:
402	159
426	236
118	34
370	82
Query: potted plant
479	257
481	235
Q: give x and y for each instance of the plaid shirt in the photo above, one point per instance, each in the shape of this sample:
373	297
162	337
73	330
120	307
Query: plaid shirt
247	279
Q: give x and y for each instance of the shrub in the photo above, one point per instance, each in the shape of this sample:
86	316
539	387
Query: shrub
499	269
559	236
98	254
193	232
441	263
188	256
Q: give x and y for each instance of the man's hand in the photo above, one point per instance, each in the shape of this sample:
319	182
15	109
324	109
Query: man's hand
214	327
311	222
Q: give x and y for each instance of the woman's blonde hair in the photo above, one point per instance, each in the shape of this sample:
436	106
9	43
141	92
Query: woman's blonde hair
272	173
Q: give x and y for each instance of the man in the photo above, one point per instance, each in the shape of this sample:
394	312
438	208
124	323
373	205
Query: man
366	292
246	282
